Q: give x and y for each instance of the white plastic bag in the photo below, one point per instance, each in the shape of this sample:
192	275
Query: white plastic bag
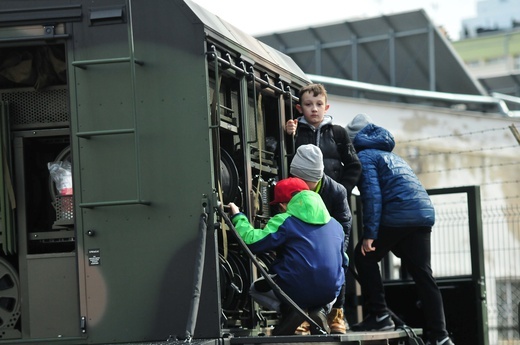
61	173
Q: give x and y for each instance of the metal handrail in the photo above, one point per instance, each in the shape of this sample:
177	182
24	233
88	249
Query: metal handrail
398	91
84	63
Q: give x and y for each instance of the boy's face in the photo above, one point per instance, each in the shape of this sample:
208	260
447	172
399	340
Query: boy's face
313	108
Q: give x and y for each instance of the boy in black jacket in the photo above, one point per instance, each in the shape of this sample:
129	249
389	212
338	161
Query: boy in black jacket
315	127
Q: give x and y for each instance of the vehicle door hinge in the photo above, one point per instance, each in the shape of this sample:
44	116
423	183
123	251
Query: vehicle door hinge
83	324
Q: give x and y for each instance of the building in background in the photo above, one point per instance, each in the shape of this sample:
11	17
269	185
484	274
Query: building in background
494	59
492	16
490	47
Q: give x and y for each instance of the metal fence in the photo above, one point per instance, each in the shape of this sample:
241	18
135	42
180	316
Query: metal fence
501	224
452	258
486	156
501	238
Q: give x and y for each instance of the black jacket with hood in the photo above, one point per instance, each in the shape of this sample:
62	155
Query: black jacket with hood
334	196
340	160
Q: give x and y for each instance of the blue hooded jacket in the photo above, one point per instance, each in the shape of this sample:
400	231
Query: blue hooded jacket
391	193
309	249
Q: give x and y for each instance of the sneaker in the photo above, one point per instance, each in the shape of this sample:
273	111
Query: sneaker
375	323
336	321
397	321
319	316
445	341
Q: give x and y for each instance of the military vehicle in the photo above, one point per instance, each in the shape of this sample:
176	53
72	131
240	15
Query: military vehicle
125	126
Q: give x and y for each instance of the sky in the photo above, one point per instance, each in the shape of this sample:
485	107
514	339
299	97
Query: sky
267	16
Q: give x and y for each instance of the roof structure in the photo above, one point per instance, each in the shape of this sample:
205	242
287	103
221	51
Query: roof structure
244	42
403	50
508	84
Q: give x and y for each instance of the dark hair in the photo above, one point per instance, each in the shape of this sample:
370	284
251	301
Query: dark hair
314	89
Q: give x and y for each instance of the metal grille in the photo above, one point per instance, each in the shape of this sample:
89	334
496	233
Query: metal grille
501	234
29	108
501	238
508	300
501	225
64	207
451	252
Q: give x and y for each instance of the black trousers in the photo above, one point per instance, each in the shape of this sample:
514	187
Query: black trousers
340	300
413	246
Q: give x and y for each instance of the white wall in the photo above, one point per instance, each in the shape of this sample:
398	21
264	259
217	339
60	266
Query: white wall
446	148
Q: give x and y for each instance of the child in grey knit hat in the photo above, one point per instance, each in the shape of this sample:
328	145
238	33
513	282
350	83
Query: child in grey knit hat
307	163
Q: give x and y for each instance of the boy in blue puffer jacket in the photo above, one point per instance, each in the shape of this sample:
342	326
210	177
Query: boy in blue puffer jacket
398	216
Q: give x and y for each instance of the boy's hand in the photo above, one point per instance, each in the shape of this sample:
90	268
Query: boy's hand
233	209
290	127
367	246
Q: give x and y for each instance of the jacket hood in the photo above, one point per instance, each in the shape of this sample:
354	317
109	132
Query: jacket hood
374	137
308	207
327	119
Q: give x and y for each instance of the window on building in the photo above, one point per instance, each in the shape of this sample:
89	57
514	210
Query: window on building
473	63
495	60
516	62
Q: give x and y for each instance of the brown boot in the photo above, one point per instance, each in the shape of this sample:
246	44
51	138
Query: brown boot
303	329
337	322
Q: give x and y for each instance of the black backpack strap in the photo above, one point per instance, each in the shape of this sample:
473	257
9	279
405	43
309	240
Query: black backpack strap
340	135
348	156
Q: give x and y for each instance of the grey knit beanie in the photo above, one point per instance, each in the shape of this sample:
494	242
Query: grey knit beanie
307	163
358	123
